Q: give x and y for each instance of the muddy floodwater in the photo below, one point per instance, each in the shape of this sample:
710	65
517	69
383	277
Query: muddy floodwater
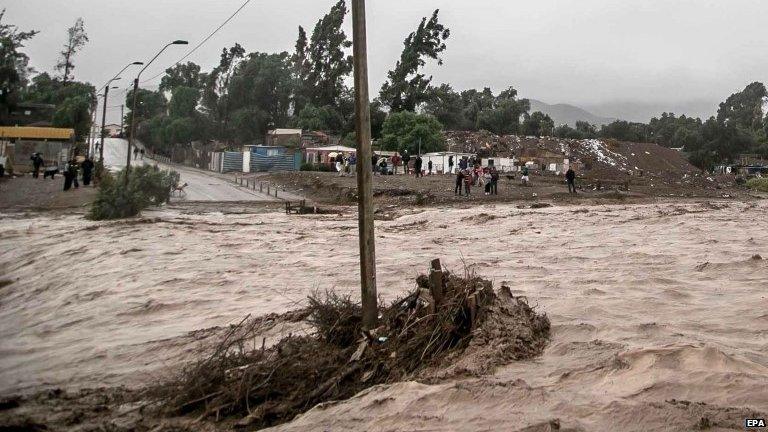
656	309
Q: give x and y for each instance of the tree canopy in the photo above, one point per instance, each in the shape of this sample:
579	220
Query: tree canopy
406	88
410	131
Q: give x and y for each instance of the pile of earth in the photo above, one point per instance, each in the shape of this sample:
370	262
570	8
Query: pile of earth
603	158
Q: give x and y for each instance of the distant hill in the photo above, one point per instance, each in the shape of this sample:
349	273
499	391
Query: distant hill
568	114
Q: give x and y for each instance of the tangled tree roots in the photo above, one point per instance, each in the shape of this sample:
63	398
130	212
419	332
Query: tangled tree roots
447	326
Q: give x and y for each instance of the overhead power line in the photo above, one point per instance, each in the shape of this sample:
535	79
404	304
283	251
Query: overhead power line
201	42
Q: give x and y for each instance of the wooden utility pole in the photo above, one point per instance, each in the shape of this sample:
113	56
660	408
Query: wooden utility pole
364	173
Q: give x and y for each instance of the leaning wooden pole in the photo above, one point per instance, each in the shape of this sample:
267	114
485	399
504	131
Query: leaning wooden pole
364	171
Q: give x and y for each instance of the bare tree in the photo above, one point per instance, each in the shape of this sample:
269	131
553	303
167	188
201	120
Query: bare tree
76	39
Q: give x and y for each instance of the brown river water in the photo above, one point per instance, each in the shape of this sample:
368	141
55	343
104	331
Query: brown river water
650	304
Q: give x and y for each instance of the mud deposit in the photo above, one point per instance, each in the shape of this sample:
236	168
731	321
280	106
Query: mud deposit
659	312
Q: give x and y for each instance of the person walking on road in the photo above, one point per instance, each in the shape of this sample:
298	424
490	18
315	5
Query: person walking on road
37	162
417	166
570	178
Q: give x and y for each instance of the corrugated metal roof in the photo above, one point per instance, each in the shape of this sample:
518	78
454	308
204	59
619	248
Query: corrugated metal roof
27	132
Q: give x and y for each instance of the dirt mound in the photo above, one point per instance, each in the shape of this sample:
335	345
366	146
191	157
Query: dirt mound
448	326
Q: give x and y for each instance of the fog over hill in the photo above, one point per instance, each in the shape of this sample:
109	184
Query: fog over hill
568	114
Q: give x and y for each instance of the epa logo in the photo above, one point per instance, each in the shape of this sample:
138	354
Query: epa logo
754	423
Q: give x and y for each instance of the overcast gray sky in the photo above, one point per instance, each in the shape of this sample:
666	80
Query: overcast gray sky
629	58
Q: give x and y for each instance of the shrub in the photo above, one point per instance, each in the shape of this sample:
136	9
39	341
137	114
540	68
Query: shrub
318	167
758	184
147	186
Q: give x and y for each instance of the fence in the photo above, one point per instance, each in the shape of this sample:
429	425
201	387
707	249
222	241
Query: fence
257	185
283	162
232	162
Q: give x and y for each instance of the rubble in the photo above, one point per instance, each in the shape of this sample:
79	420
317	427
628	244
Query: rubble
447	326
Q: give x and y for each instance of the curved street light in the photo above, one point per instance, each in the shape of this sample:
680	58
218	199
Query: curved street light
104	112
133	106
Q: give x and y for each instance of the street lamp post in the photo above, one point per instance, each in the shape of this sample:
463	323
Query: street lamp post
104	113
104	119
91	135
133	105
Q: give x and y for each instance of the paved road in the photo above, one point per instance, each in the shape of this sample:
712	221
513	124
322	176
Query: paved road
201	185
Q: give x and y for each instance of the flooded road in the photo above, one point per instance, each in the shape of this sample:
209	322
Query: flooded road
648	303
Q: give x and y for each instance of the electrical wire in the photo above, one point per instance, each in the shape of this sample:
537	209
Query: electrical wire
201	43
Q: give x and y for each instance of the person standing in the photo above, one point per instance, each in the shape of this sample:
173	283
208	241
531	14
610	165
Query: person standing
142	158
340	164
570	178
353	163
417	166
37	162
374	162
525	178
459	182
87	167
135	153
450	164
494	181
429	167
467	180
406	161
383	166
70	175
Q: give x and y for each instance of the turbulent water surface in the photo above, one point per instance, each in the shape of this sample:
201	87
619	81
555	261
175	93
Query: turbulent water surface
650	304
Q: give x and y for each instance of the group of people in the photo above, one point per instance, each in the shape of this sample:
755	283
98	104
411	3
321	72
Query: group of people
71	171
136	152
345	165
468	177
469	172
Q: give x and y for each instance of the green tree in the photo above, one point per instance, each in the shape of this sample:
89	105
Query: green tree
328	62
215	96
263	82
76	40
538	124
183	102
744	109
406	130
301	68
475	102
320	119
14	65
503	117
181	75
148	104
406	88
74	112
586	129
447	106
625	131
